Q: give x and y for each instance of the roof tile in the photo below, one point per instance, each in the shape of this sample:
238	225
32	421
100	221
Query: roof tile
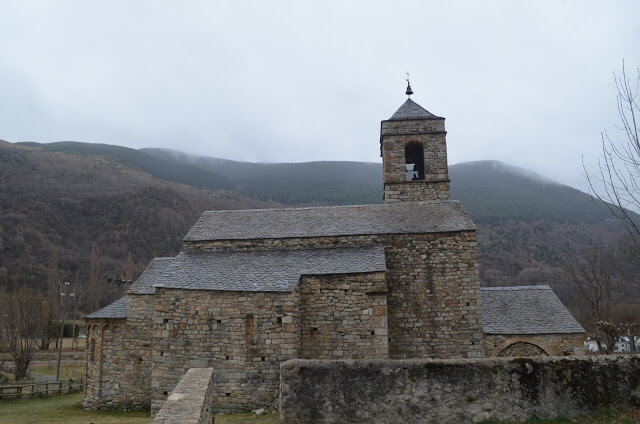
410	110
525	310
144	283
390	218
117	309
270	270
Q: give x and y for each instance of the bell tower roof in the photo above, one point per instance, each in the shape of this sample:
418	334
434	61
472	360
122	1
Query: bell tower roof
410	110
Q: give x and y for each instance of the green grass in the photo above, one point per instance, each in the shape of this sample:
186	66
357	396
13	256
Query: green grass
66	409
67	371
267	418
63	409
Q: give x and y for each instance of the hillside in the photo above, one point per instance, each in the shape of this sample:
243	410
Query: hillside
310	183
525	221
69	195
67	202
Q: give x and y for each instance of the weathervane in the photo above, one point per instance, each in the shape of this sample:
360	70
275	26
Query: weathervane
409	90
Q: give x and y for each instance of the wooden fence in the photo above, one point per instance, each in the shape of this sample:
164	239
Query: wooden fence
41	389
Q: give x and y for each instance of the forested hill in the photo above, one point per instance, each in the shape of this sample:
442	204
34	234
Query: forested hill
69	203
310	183
67	196
493	191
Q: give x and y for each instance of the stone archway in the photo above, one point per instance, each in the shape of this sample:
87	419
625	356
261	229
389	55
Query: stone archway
519	349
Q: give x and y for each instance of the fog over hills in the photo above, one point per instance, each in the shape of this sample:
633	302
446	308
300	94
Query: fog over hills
69	195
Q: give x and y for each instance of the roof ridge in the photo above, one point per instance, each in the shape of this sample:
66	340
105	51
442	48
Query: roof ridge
283	249
534	287
302	208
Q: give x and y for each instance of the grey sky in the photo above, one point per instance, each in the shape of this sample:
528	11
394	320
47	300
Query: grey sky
528	83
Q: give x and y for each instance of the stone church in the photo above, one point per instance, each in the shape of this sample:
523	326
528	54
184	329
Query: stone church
253	288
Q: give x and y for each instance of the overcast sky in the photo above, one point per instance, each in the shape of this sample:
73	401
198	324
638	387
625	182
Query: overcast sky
527	83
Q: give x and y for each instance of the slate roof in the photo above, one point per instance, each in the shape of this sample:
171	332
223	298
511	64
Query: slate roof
525	310
117	309
271	270
390	218
144	283
410	110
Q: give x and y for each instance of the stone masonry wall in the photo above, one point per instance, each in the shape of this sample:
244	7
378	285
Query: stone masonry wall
414	191
343	316
550	344
395	135
433	299
244	336
105	363
136	380
120	375
455	391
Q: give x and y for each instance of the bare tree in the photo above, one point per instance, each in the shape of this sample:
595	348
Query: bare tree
22	326
96	287
78	292
617	181
593	274
50	309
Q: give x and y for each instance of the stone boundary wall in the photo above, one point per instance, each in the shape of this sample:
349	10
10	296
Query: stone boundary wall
455	391
190	401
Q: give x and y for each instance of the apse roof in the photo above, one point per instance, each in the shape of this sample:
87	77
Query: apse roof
144	283
117	309
525	310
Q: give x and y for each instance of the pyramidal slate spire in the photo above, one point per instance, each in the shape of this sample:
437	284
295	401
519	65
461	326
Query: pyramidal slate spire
412	110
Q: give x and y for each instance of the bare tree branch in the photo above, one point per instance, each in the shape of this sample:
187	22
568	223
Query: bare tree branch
616	183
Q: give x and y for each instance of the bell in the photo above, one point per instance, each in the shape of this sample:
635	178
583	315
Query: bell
409	90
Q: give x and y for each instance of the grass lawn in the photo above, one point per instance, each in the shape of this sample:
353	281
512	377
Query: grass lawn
66	409
63	409
67	371
248	419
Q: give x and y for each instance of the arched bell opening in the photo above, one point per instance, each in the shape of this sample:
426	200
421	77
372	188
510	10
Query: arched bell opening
414	161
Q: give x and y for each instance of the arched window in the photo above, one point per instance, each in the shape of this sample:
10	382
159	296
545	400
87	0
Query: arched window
92	351
414	161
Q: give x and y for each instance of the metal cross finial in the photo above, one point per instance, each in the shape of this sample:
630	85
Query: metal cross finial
409	90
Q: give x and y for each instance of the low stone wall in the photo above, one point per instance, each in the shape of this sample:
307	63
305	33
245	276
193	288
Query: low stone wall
455	391
190	401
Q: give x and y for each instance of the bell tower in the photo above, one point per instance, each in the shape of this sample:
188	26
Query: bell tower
414	155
